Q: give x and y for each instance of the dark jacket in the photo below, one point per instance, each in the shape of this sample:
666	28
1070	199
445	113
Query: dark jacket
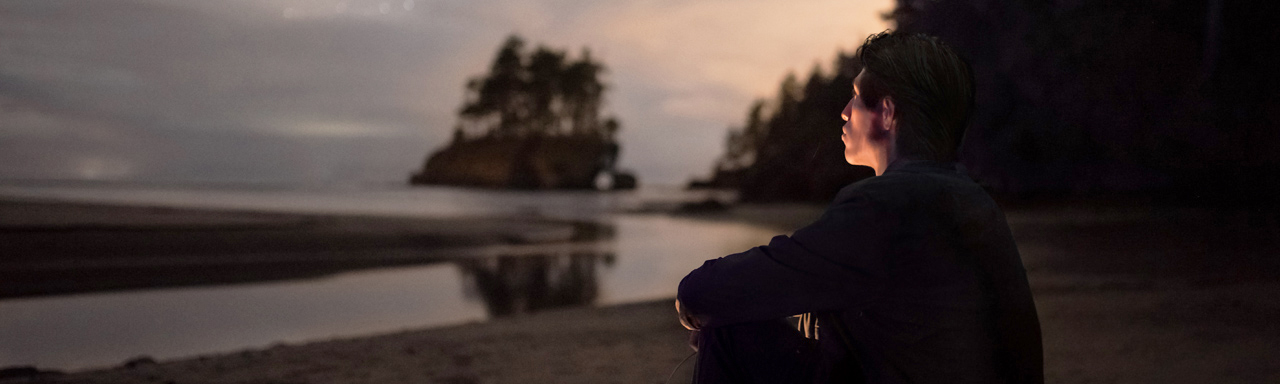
918	265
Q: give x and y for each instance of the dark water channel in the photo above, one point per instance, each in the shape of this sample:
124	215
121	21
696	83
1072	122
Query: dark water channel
645	261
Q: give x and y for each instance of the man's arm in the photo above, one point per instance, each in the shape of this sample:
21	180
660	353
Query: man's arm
835	263
1017	323
1019	328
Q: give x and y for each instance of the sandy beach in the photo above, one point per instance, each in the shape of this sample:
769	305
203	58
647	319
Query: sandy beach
1125	295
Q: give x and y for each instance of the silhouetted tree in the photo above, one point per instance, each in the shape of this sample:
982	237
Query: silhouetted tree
501	94
538	93
583	95
789	148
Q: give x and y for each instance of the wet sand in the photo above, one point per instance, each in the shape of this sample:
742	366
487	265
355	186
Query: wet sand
1125	295
59	248
1092	335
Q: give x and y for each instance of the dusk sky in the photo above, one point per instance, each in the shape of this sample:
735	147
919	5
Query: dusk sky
329	91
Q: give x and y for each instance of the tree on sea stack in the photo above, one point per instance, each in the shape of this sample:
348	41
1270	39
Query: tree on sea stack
532	122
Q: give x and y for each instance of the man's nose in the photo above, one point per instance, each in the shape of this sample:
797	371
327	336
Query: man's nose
844	114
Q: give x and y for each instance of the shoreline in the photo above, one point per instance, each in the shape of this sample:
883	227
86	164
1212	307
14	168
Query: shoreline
1133	297
54	248
130	253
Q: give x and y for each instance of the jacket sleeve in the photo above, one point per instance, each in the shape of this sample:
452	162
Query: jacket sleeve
837	262
1015	311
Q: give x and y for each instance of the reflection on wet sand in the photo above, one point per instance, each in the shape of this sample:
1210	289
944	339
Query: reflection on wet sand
510	285
633	258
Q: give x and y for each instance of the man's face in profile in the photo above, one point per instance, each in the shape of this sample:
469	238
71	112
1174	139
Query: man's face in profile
859	134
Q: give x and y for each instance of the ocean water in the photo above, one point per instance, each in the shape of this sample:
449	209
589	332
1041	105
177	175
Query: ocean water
386	199
643	261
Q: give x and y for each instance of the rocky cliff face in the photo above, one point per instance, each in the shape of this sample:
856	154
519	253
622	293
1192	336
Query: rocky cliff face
537	162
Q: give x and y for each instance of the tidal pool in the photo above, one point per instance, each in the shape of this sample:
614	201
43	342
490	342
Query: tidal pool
644	261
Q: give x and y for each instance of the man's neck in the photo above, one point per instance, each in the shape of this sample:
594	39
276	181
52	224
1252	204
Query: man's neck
884	159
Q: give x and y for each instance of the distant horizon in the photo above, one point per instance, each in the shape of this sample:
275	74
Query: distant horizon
286	184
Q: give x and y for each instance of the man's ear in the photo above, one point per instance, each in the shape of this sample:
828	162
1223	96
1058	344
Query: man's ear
887	114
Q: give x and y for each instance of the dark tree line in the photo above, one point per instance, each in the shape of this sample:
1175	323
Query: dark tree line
789	147
543	92
1171	98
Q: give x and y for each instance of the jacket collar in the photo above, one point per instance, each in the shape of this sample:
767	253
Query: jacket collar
915	165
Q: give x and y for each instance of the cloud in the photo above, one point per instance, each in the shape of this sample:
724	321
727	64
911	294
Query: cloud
699	106
186	75
40	142
742	44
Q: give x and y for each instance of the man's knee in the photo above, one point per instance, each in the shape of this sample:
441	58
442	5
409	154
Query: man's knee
756	352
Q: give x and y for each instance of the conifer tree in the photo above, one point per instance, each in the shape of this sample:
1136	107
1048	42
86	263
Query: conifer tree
540	93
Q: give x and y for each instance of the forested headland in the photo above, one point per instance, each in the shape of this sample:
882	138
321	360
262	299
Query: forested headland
534	121
1165	99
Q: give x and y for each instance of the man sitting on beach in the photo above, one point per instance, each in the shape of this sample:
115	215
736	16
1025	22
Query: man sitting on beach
910	276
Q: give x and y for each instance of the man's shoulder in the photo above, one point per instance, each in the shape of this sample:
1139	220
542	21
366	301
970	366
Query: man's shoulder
890	185
910	187
867	188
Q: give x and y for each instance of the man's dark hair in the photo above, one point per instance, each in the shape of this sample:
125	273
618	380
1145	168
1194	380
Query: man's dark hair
931	88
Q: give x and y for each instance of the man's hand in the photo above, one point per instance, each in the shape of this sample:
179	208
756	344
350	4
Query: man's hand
694	335
686	319
689	322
